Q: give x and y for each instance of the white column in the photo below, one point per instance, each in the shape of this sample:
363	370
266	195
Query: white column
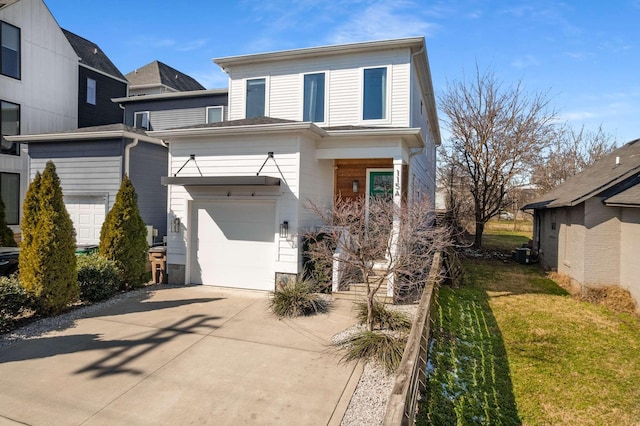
397	202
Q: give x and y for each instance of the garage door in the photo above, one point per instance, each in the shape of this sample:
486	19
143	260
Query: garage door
87	214
233	244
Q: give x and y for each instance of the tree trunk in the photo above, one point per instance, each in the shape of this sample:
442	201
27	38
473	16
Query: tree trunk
370	296
477	241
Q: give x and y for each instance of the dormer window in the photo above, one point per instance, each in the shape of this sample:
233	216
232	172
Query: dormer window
374	99
141	120
10	53
256	89
313	98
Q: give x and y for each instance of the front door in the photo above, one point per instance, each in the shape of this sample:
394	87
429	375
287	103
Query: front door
381	184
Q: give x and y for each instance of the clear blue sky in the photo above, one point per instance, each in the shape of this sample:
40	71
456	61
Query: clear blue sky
585	53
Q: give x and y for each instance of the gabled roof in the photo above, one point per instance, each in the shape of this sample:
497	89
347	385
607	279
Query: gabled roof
617	168
92	56
5	3
158	73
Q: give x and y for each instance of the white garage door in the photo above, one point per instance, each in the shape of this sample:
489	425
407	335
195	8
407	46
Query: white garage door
87	214
233	244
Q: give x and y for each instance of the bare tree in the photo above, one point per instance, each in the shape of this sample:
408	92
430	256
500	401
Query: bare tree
570	153
496	133
371	243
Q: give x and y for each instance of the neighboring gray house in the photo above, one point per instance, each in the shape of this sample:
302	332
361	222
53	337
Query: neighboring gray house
588	228
99	80
157	78
174	109
91	163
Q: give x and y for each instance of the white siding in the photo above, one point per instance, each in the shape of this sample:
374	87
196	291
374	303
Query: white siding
343	82
237	156
47	91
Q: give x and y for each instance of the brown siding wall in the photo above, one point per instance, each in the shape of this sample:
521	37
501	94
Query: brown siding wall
347	171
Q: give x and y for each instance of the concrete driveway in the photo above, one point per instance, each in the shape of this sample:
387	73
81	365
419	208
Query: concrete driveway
175	356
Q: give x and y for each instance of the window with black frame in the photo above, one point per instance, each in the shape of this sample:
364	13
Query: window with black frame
9	126
10	51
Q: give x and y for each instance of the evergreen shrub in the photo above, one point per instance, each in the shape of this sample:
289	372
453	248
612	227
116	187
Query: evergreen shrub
123	238
47	253
13	301
98	278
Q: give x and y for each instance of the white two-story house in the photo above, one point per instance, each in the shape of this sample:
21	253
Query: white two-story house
313	124
38	91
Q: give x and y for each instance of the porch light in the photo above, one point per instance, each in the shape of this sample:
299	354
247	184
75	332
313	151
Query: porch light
355	186
284	229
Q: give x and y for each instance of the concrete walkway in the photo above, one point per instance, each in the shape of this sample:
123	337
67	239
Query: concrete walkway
176	356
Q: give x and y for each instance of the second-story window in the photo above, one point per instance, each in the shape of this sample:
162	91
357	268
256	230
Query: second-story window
10	53
374	100
255	98
91	91
141	120
215	114
9	126
313	98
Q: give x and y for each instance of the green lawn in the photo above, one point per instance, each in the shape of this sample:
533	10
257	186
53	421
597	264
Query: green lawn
512	347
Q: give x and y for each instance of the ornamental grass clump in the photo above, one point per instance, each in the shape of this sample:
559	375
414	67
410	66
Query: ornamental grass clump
384	348
295	299
383	317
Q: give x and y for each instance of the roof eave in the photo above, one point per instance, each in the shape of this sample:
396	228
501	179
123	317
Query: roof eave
225	62
170	95
246	129
57	137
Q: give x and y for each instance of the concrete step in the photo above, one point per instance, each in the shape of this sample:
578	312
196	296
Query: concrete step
360	296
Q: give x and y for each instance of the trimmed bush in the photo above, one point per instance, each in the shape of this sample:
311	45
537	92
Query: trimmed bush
13	301
384	348
383	317
123	237
98	278
47	253
6	234
295	299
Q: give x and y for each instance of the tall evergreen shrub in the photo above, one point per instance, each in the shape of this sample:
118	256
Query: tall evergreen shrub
47	254
6	234
123	237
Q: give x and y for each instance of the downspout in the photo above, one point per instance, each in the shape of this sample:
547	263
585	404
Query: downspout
127	155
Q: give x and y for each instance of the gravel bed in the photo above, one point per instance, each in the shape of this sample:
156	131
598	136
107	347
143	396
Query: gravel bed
369	401
62	321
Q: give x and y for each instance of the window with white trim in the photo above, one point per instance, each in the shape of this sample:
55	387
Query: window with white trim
91	91
10	193
256	97
141	120
374	98
313	109
10	52
9	126
215	114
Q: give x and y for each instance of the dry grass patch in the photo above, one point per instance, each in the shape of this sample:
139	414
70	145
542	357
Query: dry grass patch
613	297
